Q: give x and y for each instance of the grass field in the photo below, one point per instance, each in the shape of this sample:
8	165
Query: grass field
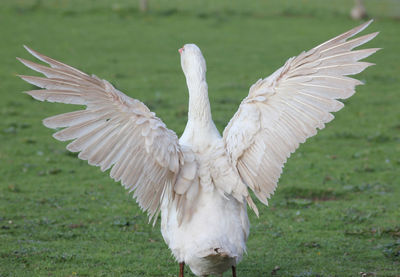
336	211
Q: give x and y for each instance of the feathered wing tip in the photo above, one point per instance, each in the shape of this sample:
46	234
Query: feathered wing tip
53	63
345	35
252	205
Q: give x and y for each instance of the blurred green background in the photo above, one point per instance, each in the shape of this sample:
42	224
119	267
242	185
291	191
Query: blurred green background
336	211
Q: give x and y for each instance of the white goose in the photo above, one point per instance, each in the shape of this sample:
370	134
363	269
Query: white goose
200	182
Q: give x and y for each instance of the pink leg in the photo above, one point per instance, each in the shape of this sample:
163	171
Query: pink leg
181	267
233	271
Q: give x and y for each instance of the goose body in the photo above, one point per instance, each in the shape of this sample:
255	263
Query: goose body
214	239
200	181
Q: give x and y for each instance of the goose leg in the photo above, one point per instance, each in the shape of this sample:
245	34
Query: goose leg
233	271
181	267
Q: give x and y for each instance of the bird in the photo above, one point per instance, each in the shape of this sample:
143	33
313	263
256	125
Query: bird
358	11
201	183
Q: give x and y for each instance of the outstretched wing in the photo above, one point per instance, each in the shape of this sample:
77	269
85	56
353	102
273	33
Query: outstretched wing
113	131
286	108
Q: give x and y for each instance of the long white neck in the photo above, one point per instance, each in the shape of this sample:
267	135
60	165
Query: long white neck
200	126
199	104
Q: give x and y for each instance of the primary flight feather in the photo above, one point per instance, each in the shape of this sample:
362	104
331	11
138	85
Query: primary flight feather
200	181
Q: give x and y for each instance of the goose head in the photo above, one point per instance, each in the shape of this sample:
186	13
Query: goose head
192	62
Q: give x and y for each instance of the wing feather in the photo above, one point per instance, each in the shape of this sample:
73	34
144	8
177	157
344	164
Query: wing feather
114	131
288	107
58	96
71	118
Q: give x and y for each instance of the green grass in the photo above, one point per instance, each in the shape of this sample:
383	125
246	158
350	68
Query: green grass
336	211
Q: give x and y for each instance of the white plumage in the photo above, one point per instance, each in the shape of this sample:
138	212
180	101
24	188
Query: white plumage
200	182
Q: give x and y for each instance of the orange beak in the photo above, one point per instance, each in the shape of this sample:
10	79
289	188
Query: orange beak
180	50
